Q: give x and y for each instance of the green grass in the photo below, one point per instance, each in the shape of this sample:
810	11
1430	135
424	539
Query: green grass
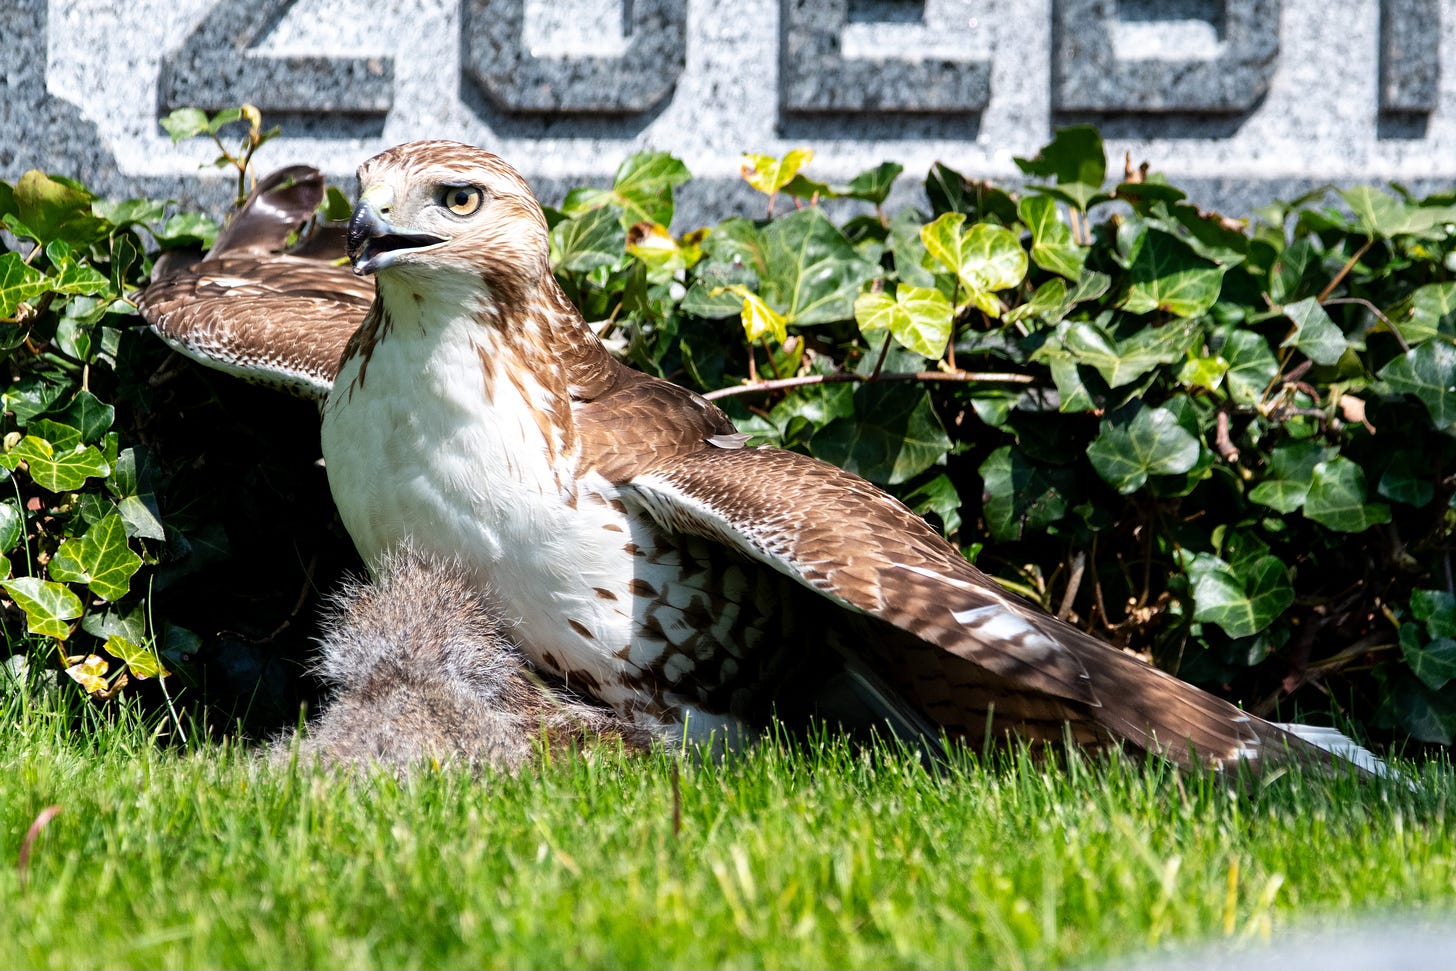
815	855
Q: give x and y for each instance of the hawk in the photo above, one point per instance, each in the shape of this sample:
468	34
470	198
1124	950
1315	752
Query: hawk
646	555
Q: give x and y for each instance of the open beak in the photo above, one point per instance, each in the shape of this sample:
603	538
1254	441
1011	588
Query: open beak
373	240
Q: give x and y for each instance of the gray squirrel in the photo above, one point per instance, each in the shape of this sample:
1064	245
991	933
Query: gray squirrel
423	671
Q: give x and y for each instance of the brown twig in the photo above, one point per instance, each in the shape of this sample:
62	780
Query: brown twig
1079	568
849	377
1344	271
1221	441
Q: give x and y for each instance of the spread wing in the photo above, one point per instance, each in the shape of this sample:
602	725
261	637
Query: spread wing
257	308
976	654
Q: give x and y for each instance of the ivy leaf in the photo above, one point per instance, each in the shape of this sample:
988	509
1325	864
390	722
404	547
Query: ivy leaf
1337	497
706	300
101	558
1203	372
1242	602
90	673
48	605
1149	441
1409	478
660	254
908	249
641	190
1291	473
187	228
893	436
585	242
643	187
62	437
1380	214
12	525
19	283
1251	366
1429	311
69	277
919	318
127	212
801	265
1427	372
803	187
768	174
1425	715
1295	271
59	470
993	257
1076	160
110	621
31	396
1437	609
184	123
56	208
808	271
984	260
1052	246
939	498
142	662
1021	495
1315	333
1122	362
872	185
1167	275
759	319
89	415
1049	303
1433	660
336	207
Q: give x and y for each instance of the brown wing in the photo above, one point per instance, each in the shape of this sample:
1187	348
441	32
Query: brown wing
250	308
638	415
975	650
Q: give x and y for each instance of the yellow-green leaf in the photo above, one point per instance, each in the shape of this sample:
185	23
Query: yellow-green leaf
759	319
48	605
984	260
768	174
59	470
142	662
101	559
919	318
90	674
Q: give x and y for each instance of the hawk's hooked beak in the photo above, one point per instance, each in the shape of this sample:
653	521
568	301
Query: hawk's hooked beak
373	240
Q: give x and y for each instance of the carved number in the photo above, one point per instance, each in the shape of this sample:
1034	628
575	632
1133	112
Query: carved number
1410	66
494	57
217	68
1088	76
818	78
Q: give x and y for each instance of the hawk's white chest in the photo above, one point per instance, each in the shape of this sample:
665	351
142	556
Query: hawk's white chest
437	446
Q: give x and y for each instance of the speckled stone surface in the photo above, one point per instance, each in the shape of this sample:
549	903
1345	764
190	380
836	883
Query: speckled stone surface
1238	101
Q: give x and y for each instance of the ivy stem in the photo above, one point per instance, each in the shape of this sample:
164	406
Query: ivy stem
884	352
1344	271
768	352
849	377
1362	302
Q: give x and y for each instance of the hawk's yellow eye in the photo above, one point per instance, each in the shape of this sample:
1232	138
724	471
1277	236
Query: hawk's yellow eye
462	200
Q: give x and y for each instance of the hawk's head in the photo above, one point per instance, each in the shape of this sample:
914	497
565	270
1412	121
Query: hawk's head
438	214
